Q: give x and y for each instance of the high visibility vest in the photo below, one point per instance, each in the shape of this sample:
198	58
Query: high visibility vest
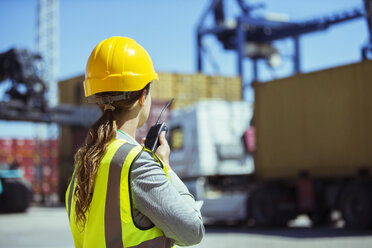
109	218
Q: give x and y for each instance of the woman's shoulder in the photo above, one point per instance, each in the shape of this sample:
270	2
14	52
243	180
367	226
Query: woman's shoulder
143	158
146	164
148	157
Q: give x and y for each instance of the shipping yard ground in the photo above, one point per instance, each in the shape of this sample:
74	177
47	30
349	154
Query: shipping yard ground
43	227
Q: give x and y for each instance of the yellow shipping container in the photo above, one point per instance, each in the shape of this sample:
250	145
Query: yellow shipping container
182	90
189	88
66	140
200	86
185	88
164	89
318	123
71	91
233	89
217	87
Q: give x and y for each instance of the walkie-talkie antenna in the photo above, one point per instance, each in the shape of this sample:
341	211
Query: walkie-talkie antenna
162	112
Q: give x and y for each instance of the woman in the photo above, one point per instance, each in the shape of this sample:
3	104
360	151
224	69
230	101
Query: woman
121	194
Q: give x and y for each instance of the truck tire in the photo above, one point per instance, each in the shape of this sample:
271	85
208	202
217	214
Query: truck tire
261	208
356	205
265	206
320	218
16	196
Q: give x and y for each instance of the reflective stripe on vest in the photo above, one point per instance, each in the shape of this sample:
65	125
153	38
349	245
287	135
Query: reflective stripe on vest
109	219
69	198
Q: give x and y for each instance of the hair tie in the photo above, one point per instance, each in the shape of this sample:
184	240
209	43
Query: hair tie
108	106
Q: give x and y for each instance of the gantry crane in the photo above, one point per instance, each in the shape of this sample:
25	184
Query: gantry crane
252	37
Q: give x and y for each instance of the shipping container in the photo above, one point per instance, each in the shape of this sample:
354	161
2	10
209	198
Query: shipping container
318	123
36	159
314	143
185	88
71	91
163	89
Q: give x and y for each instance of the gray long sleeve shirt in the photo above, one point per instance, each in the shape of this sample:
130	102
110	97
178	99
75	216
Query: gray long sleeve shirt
165	203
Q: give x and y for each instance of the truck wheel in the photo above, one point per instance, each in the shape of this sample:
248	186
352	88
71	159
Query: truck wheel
267	207
321	218
262	208
356	206
16	197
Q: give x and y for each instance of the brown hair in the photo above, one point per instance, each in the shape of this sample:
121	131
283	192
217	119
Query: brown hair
89	156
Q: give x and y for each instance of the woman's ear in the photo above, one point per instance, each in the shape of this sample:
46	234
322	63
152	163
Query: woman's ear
142	98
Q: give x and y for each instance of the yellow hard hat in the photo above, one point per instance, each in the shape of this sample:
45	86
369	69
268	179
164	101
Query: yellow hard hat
118	64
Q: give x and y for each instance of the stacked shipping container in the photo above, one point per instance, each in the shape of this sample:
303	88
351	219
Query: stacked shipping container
190	88
318	122
38	160
185	88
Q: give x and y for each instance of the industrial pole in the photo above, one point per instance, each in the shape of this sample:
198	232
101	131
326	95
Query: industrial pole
367	50
47	42
48	47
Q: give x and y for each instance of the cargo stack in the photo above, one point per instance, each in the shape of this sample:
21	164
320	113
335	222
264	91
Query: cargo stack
218	87
185	88
165	90
6	155
22	156
71	91
188	89
49	165
318	123
38	161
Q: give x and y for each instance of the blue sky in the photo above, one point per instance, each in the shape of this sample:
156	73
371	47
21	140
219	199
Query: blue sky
166	28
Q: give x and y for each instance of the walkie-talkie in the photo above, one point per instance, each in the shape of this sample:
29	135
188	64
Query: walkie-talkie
152	137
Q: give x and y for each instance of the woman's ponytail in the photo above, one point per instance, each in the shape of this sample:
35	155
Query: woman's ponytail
87	159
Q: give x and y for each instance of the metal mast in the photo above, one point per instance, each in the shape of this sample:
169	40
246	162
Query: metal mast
47	42
47	46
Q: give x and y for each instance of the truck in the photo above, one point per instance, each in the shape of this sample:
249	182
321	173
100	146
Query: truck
15	190
311	151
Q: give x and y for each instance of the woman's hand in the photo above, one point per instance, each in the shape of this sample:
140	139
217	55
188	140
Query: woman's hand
163	150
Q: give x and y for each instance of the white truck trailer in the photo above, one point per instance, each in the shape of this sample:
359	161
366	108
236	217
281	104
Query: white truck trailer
209	155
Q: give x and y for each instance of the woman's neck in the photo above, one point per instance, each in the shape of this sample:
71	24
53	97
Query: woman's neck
130	127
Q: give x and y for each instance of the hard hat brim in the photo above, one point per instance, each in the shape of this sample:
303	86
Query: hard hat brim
116	82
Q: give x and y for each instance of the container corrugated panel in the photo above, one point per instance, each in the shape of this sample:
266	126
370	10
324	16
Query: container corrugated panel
189	88
217	87
185	88
164	88
66	141
319	123
181	104
233	89
71	91
182	91
200	86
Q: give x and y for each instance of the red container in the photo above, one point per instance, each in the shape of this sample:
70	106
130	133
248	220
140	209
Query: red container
38	160
28	173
